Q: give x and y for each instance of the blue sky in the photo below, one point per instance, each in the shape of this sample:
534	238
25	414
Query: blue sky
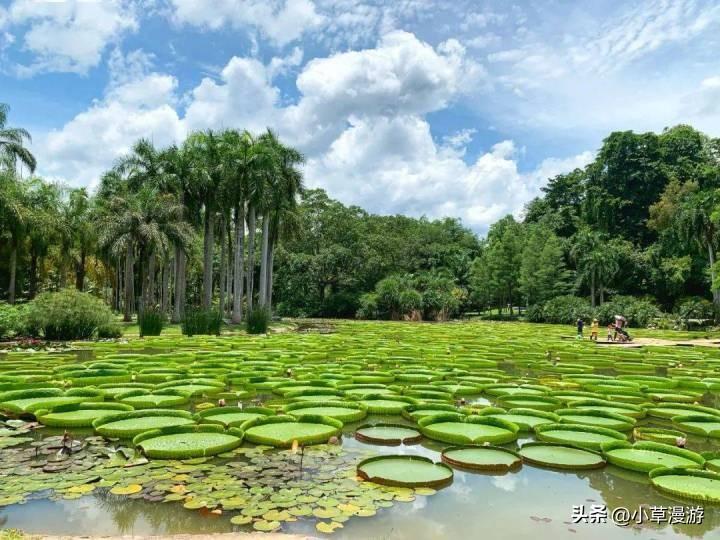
424	107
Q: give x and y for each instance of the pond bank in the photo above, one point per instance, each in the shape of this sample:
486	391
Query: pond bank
221	536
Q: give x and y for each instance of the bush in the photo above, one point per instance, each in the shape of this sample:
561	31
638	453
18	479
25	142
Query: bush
561	310
368	307
66	315
257	321
340	304
198	321
695	311
109	331
151	322
12	320
639	312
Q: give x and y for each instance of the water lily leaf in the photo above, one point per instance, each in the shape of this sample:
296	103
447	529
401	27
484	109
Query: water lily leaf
266	526
328	527
241	520
126	490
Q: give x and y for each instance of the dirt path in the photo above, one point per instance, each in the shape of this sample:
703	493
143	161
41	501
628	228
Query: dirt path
640	341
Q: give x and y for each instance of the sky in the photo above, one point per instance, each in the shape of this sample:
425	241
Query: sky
459	108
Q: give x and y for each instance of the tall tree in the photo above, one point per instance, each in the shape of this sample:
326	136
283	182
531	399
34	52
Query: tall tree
12	144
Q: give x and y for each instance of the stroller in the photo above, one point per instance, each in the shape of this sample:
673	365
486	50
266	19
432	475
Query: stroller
621	334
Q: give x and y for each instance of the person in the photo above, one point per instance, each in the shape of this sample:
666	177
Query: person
610	332
620	323
594	330
580	326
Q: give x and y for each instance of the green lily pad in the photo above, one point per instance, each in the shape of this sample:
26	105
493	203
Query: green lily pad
687	483
481	458
389	434
405	471
559	456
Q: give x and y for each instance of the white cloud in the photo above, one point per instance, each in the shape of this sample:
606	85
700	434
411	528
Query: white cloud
69	36
137	104
281	21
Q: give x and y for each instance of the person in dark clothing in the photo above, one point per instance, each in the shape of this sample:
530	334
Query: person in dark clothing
580	326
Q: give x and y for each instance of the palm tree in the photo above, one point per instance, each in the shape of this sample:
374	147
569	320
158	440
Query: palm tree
12	144
143	224
694	224
207	172
281	214
14	216
45	224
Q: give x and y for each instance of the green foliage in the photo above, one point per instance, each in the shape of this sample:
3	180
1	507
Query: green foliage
639	312
66	315
12	319
561	310
198	321
109	331
151	322
368	307
258	321
396	297
695	308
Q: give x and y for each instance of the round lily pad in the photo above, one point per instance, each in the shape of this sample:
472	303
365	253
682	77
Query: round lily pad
283	430
645	456
80	415
699	424
603	419
459	429
482	458
390	434
340	410
667	436
128	425
578	435
232	416
687	483
559	456
526	419
381	404
405	471
186	442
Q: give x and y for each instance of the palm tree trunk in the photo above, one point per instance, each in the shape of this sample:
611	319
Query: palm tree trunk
223	269
209	246
239	264
271	261
13	273
713	284
229	272
33	275
165	290
179	285
602	295
592	289
262	293
129	284
251	258
80	272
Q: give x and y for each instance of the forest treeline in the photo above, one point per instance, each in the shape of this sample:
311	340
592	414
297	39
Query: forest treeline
223	221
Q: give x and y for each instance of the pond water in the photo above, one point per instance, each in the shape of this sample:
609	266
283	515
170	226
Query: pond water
529	503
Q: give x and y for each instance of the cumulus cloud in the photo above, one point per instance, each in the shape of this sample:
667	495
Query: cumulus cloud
137	104
281	21
360	118
69	36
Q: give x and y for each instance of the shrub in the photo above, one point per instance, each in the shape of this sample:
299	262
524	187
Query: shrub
257	321
11	320
151	321
109	331
562	310
694	311
198	321
639	312
65	315
340	304
368	307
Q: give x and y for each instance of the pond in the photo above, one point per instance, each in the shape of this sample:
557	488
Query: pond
107	486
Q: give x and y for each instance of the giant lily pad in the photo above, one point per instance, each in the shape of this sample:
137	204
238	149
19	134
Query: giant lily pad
559	456
390	434
283	430
646	456
603	419
232	416
128	425
482	458
185	442
580	435
81	415
340	410
699	424
405	471
459	429
687	483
